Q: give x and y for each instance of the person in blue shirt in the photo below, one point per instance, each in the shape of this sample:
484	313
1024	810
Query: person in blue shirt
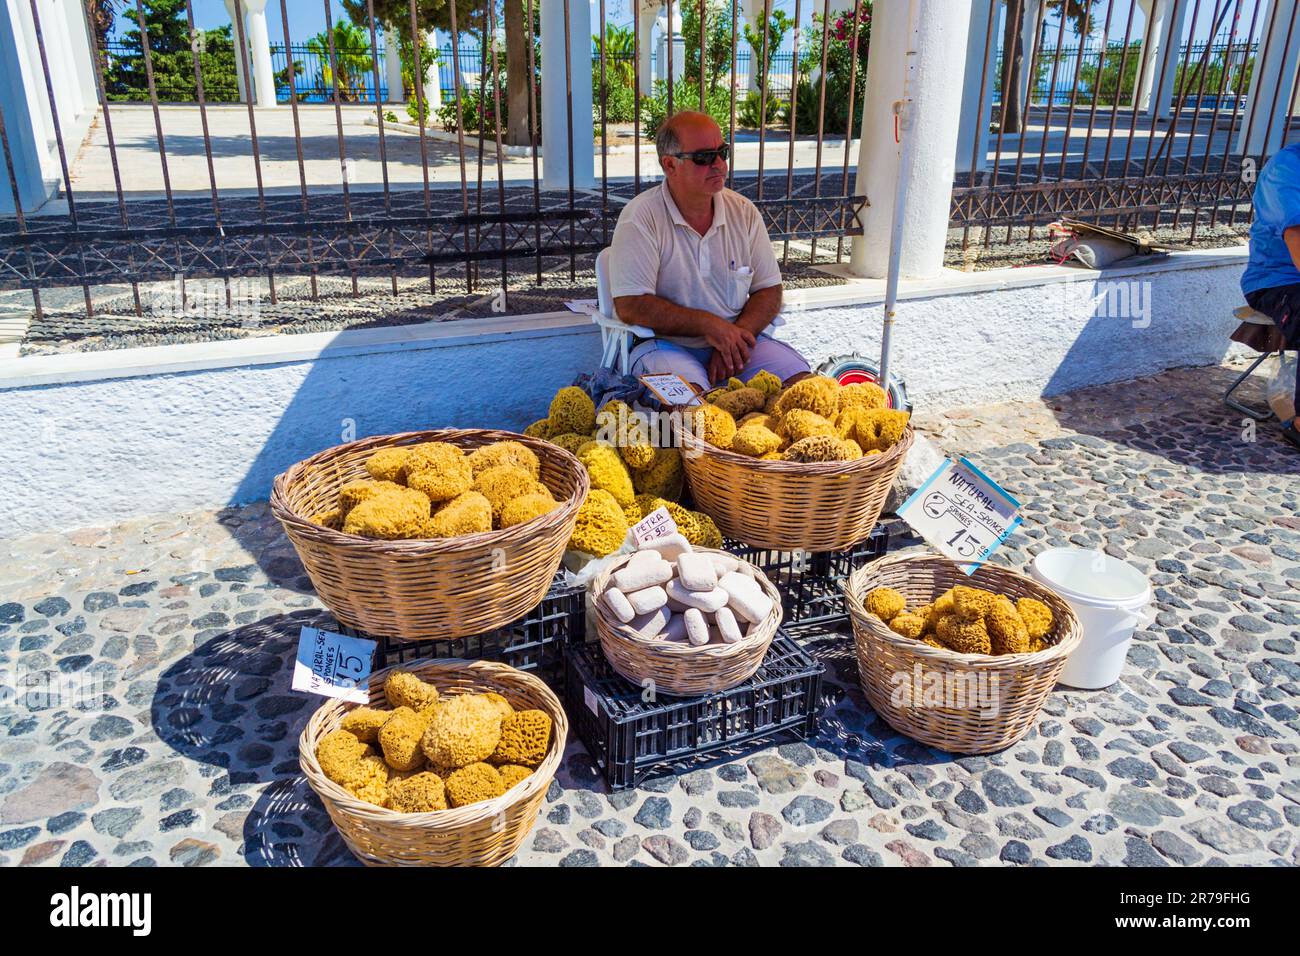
1271	281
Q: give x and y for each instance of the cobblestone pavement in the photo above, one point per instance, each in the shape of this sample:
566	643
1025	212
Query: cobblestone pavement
189	623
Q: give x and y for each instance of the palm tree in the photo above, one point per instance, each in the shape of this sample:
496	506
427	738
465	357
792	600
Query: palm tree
352	56
620	50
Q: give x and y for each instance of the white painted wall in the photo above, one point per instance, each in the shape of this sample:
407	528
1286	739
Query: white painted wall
94	438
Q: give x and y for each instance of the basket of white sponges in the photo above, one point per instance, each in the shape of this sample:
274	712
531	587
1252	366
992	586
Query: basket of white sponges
684	620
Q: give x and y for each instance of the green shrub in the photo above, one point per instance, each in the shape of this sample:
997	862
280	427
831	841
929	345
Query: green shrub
686	96
747	110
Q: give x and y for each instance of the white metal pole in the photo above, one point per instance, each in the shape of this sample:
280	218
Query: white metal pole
903	109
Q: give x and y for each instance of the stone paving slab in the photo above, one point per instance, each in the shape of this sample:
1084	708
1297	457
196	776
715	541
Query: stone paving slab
188	624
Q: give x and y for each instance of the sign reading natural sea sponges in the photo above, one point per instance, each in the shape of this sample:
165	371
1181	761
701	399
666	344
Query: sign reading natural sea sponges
962	513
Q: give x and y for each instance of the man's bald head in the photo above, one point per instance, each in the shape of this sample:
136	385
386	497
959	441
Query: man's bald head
687	131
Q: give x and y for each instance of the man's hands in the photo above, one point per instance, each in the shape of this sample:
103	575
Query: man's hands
731	347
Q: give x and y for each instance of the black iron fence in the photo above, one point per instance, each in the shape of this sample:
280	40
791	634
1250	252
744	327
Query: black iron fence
1082	139
1114	135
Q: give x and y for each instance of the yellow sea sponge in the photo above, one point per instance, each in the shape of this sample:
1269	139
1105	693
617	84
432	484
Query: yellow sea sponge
908	625
502	484
399	739
329	519
418	793
765	382
885	603
880	428
862	395
439	470
769	422
971	604
525	736
512	775
799	423
500	703
663	478
367	780
404	689
364	723
462	729
819	448
772	456
943	605
572	410
755	440
1007	632
388	464
468	513
539	429
818	394
608	471
354	492
632	513
389	515
852	448
712	424
963	636
702	532
739	402
472	783
527	508
336	753
1036	615
601	525
505	453
627	430
570	442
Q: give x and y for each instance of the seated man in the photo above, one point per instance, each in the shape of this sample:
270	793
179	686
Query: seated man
1272	278
691	260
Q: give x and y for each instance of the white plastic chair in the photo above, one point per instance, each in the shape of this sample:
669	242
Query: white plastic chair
616	335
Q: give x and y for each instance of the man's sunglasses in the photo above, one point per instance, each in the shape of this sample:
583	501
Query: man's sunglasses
705	157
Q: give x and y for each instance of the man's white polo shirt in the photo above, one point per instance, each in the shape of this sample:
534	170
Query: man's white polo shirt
655	252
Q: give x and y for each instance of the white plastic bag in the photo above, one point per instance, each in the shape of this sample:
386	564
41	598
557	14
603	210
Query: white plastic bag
1281	387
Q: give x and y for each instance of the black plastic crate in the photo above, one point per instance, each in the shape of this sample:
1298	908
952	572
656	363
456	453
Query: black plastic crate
533	643
810	581
629	738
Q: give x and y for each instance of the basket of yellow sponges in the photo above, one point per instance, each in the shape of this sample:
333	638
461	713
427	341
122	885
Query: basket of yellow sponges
962	663
632	471
447	765
805	467
434	534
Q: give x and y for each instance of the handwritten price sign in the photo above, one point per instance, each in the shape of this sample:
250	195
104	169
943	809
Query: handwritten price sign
962	513
333	665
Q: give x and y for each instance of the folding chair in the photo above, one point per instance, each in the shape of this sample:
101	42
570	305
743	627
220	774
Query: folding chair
1261	333
616	335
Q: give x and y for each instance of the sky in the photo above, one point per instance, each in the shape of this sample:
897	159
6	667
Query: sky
307	17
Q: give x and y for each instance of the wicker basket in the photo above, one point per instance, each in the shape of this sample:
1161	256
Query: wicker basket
427	589
787	505
481	834
681	669
1023	681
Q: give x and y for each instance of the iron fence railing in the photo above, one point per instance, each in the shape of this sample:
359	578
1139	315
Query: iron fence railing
1113	134
1080	147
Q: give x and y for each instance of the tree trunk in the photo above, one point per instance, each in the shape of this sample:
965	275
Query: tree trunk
517	78
1011	65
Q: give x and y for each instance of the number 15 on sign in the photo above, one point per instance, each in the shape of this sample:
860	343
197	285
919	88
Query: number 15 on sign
962	513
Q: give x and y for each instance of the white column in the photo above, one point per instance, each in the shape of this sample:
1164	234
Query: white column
23	126
432	76
1146	72
753	15
977	97
1171	20
393	64
645	44
556	106
661	50
81	55
63	69
932	124
241	81
259	52
1274	79
1028	37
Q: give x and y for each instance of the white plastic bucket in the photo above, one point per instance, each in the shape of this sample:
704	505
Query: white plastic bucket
1110	598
